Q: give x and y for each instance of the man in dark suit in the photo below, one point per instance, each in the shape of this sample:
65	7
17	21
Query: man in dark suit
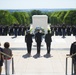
28	40
73	51
38	39
48	41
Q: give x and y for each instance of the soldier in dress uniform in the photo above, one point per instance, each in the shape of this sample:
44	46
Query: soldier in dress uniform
56	30
19	30
23	30
74	30
59	30
15	30
68	31
5	30
0	29
63	30
11	30
52	29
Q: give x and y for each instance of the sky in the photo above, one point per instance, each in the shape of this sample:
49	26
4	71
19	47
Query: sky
37	4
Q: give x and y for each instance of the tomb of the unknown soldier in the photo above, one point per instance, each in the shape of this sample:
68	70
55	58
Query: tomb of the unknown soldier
40	21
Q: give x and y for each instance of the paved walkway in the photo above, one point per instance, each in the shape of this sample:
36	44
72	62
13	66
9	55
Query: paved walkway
43	65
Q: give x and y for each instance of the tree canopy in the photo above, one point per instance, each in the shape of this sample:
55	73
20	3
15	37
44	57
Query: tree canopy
25	18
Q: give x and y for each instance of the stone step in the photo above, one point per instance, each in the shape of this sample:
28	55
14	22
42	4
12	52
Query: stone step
38	74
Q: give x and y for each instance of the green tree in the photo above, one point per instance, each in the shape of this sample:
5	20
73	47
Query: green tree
36	12
70	17
6	18
17	16
22	17
49	16
61	16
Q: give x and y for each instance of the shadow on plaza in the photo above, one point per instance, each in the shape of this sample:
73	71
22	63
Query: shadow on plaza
37	56
34	56
26	56
14	37
48	56
22	48
45	56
